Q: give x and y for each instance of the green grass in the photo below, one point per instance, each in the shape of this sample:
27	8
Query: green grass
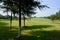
5	31
37	29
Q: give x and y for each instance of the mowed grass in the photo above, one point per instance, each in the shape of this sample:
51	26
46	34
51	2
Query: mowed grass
36	29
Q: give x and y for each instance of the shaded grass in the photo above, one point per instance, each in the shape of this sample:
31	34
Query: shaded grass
37	33
36	29
41	29
42	35
6	32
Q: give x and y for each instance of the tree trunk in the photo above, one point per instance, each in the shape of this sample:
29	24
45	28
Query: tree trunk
19	29
7	14
14	16
11	21
24	20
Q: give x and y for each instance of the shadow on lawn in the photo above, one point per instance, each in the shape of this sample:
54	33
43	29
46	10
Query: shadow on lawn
41	34
36	27
5	32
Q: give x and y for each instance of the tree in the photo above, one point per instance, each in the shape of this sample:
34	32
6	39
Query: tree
8	8
27	9
53	17
8	5
27	14
58	15
22	6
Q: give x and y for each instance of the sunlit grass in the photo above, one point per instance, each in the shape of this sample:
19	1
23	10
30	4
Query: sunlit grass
37	28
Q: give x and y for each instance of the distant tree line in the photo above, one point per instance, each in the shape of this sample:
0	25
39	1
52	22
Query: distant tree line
54	16
5	17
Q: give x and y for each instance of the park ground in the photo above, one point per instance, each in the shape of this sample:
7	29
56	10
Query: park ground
36	29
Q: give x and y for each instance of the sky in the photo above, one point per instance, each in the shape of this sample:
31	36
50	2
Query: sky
53	4
54	7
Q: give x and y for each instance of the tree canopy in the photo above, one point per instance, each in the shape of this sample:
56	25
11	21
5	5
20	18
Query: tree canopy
23	6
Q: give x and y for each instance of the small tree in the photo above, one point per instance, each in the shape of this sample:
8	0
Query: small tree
58	15
53	17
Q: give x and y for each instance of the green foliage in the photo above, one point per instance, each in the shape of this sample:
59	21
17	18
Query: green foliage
27	6
5	17
58	15
5	32
53	17
24	6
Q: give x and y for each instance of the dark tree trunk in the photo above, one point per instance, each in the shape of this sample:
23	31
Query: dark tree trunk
19	30
14	16
11	21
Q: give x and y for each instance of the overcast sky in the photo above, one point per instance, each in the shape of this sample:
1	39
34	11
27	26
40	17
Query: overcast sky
54	7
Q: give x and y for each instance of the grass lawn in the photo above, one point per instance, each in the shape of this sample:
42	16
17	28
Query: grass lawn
37	29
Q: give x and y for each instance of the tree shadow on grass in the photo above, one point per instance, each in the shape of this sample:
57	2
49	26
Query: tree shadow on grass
43	35
36	27
5	32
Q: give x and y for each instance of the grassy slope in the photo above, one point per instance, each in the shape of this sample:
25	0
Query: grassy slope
37	29
41	29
